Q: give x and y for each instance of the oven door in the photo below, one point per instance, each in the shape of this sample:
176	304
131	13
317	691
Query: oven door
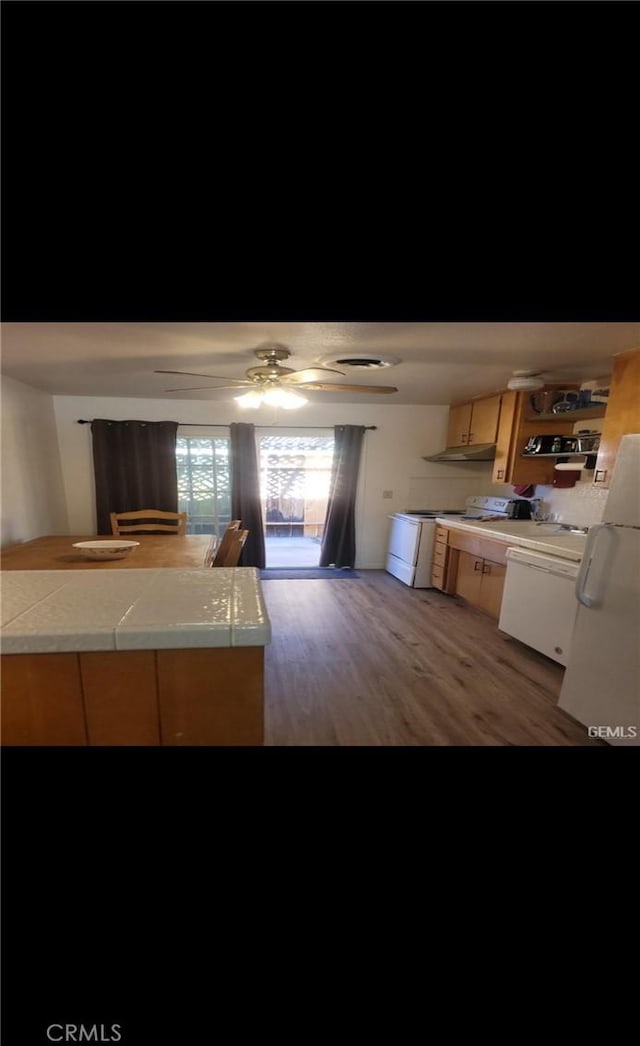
402	550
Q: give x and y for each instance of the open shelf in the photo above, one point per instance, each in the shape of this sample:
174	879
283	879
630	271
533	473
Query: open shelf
565	454
584	413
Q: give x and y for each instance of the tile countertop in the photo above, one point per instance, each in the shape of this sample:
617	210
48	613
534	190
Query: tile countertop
526	533
47	611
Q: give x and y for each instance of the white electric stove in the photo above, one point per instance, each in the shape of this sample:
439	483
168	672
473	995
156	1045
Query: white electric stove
412	534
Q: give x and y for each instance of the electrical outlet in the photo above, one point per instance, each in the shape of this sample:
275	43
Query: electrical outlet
387	493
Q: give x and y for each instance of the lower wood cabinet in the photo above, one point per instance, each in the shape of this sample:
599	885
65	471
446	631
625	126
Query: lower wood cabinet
480	582
478	568
42	700
134	697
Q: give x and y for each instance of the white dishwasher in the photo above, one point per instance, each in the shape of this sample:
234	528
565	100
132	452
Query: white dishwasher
538	604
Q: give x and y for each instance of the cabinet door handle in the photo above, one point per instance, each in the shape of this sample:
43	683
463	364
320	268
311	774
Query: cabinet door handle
478	564
463	439
471	435
486	568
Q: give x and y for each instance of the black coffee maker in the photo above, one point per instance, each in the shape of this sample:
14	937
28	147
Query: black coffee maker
520	509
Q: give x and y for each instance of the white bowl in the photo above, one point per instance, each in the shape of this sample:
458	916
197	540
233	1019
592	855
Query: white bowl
105	549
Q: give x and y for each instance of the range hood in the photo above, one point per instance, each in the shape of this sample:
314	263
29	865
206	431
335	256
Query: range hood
476	452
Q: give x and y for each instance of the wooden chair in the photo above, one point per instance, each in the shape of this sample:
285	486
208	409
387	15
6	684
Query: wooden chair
169	522
233	550
215	546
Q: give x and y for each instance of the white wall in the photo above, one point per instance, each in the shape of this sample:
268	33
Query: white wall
47	466
392	455
33	501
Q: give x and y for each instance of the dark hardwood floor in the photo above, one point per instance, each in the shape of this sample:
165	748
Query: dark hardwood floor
372	662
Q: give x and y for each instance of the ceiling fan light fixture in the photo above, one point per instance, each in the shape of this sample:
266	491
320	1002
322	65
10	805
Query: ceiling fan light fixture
525	381
252	399
284	398
275	397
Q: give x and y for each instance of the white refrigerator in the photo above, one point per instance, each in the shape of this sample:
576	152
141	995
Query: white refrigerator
601	686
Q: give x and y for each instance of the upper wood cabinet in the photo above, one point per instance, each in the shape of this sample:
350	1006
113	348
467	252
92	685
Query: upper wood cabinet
515	428
475	422
623	413
459	425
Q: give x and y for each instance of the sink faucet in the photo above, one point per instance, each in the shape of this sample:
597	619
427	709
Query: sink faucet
573	528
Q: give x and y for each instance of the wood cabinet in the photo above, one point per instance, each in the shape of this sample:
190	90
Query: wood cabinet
473	423
138	697
480	582
42	700
480	569
623	413
516	426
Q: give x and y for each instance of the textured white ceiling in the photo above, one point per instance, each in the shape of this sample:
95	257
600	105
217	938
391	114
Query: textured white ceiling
441	362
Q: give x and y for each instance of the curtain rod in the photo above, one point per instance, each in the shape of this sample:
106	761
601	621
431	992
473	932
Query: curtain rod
210	425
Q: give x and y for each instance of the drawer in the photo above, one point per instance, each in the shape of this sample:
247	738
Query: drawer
439	555
442	534
437	577
484	548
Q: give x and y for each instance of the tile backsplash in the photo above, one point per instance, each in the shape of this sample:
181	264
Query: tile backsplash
582	504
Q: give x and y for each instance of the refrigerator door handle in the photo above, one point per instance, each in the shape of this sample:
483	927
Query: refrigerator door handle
586	598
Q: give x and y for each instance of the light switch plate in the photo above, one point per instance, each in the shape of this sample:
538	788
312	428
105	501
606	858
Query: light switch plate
387	493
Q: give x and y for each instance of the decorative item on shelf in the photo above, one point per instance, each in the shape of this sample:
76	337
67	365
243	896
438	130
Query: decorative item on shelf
568	401
566	474
542	402
597	390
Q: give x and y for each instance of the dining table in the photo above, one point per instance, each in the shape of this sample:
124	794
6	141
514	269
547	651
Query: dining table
56	552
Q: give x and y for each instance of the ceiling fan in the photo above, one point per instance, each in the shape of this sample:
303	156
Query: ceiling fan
273	384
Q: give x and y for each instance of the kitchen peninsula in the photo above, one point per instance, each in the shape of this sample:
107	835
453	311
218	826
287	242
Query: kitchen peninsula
133	657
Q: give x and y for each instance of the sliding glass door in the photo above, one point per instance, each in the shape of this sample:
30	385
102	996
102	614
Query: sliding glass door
295	472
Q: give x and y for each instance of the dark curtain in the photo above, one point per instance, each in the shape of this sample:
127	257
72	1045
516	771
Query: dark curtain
134	464
339	540
245	492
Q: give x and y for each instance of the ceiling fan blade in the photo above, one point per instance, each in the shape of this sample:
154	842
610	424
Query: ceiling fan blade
214	377
311	374
206	388
321	386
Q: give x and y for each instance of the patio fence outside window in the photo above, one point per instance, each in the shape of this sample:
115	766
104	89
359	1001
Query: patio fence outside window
204	489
